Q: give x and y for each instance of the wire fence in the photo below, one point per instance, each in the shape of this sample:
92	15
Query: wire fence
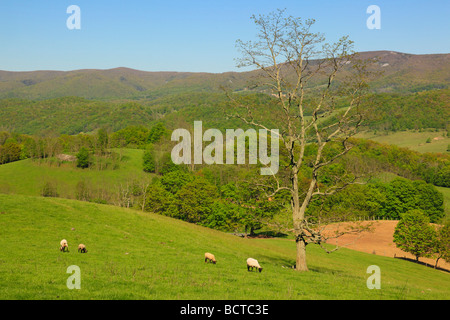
372	218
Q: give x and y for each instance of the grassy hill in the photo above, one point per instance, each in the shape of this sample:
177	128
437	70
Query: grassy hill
414	140
28	177
134	255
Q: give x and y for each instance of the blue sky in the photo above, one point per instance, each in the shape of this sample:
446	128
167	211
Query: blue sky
197	36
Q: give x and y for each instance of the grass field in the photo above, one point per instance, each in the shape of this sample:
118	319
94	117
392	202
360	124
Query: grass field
29	176
135	255
411	139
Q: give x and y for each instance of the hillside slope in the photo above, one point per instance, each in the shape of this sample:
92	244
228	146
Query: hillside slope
28	177
381	242
134	255
402	72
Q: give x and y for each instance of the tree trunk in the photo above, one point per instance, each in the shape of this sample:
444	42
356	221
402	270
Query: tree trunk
435	266
298	215
300	263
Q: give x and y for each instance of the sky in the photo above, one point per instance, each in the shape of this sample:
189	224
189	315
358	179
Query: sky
197	36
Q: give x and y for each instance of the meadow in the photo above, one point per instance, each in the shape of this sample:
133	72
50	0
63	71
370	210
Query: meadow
29	176
139	255
414	140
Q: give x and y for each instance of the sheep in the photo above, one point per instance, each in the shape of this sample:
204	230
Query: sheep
64	245
252	263
210	257
82	248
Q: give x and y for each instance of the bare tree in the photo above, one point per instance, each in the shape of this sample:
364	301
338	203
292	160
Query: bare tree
318	89
124	195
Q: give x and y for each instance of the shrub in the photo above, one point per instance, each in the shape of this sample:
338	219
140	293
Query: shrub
49	190
83	158
149	161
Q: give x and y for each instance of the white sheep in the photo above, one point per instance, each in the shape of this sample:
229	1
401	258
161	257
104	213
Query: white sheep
82	248
252	263
210	257
64	245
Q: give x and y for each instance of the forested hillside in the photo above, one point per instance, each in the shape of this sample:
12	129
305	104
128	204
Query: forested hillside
72	115
401	72
96	130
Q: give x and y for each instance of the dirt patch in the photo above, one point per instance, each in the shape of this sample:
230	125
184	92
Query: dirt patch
66	157
379	242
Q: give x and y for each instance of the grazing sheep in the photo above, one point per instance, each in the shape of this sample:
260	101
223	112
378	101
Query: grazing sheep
252	263
82	248
64	245
210	257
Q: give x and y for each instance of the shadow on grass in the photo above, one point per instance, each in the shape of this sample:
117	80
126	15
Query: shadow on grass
289	264
423	263
262	235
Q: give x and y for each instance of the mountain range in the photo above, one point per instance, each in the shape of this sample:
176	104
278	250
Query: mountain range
402	72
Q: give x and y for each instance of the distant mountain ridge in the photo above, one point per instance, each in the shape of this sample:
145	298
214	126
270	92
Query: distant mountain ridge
402	73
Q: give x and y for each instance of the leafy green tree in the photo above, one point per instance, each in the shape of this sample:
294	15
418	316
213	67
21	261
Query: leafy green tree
429	199
355	201
149	160
156	132
414	234
158	199
83	158
195	200
4	135
224	216
10	152
167	164
131	136
173	181
255	207
442	177
402	195
442	244
400	198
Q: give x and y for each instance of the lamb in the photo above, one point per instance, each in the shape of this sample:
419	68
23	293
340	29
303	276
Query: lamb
82	248
210	257
64	245
252	263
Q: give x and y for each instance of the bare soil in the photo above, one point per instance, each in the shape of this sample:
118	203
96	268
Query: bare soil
379	241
